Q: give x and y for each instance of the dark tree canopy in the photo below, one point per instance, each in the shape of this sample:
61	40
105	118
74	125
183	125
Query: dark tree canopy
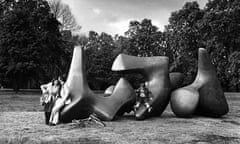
216	28
220	29
64	15
182	38
145	39
30	42
100	51
34	47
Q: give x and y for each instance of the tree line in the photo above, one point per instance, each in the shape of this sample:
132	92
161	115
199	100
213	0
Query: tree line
36	43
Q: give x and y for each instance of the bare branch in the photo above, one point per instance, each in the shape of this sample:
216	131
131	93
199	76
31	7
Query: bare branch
64	15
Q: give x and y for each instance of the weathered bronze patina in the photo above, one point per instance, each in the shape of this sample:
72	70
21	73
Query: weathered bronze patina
83	100
155	71
204	96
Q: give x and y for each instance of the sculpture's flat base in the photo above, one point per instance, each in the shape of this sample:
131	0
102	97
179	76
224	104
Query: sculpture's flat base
28	127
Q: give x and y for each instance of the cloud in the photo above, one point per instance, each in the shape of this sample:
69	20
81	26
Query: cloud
97	11
113	16
158	24
119	27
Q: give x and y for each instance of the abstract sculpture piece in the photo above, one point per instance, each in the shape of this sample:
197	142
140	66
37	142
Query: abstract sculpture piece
204	96
109	90
176	80
84	102
155	70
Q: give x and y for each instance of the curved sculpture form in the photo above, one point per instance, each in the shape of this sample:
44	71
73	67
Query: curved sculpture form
184	101
204	96
176	80
83	100
109	90
155	70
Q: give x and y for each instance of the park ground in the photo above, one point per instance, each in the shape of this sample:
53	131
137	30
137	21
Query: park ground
22	122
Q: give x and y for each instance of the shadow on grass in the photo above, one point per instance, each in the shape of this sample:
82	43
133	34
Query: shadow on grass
215	139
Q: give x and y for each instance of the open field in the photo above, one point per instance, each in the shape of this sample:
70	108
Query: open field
22	121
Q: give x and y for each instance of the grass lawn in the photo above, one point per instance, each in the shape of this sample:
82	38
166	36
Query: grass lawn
22	121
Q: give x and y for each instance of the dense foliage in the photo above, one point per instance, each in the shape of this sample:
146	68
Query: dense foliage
31	47
34	48
216	28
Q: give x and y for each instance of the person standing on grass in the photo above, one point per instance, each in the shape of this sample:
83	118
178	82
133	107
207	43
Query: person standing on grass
50	92
61	101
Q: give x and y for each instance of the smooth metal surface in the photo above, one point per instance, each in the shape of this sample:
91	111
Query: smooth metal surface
176	80
109	90
155	71
206	96
84	101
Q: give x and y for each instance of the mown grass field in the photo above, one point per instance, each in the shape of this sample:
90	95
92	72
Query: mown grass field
22	122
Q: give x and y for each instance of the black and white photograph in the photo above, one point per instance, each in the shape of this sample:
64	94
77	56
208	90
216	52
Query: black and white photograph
119	71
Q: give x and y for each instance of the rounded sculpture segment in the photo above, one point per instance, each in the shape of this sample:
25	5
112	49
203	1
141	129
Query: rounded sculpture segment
125	62
176	80
77	80
84	101
109	90
206	89
126	108
107	107
212	101
80	106
184	101
155	71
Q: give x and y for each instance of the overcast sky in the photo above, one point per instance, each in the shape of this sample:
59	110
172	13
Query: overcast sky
113	16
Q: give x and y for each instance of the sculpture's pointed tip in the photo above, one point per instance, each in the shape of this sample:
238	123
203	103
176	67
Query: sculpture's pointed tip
78	46
77	72
118	63
202	49
122	82
204	61
203	54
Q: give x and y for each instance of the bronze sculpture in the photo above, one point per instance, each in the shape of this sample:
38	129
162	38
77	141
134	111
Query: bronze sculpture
204	96
176	80
83	100
155	70
109	90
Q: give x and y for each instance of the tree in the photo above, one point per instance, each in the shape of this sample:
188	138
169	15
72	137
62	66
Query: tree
30	43
182	38
64	15
234	71
216	28
144	38
100	53
220	30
